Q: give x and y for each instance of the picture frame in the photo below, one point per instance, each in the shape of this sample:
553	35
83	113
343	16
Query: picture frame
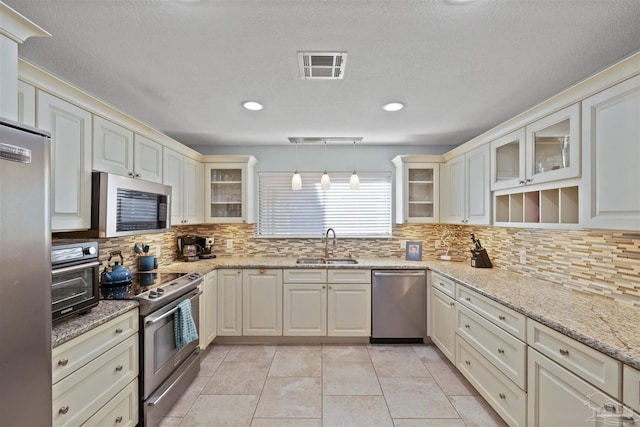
413	251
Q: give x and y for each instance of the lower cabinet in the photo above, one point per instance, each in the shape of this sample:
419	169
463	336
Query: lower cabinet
100	389
262	302
304	304
349	310
208	309
229	313
443	309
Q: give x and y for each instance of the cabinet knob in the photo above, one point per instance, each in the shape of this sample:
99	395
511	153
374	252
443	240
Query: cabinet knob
521	182
501	317
118	368
119	419
564	352
467	363
527	181
502	396
63	410
452	304
324	287
262	271
137	175
118	330
63	362
467	326
501	351
468	299
130	174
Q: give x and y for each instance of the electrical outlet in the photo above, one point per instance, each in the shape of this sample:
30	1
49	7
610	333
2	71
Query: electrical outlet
403	244
229	243
437	244
523	256
158	251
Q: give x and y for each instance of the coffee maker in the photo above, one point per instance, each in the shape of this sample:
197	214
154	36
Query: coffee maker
206	247
188	248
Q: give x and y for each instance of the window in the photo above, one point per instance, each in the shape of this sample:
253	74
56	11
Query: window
365	212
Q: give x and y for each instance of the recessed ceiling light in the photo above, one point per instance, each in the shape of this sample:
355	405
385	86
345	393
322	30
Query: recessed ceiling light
252	105
393	106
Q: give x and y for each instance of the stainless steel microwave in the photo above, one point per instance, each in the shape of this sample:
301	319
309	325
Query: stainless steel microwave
123	206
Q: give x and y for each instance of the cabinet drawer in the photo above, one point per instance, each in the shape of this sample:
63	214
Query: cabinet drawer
504	396
77	397
73	354
505	351
305	276
498	314
349	276
631	388
592	366
444	284
121	411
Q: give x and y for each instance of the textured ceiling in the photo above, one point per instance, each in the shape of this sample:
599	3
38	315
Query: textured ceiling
184	67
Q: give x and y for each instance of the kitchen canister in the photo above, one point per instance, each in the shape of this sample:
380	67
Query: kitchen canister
146	263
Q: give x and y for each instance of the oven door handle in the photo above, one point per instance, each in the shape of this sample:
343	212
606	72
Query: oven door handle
74	268
152	320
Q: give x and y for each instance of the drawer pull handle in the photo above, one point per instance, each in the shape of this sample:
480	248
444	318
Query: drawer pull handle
63	362
502	317
119	331
502	396
467	362
564	352
501	351
467	326
119	419
63	410
452	304
118	368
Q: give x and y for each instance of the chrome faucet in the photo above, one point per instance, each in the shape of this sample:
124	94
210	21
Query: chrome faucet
326	242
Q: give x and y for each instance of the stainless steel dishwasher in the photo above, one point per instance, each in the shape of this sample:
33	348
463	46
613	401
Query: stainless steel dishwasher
399	306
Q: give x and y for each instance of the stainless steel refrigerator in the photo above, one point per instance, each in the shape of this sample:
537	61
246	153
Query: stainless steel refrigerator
25	277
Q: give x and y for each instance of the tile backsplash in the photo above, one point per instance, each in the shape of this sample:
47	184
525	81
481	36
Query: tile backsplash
592	261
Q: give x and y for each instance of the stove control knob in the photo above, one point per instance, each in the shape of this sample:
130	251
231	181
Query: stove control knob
160	291
153	294
90	250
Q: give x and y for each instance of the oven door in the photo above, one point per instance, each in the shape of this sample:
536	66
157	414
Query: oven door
74	289
160	354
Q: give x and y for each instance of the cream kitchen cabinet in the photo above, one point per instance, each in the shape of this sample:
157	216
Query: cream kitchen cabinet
349	303
466	188
229	313
208	308
443	314
184	175
631	387
70	128
417	189
611	130
95	376
262	302
26	103
507	160
229	191
119	151
305	302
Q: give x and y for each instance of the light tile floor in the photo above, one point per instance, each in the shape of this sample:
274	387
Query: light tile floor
329	385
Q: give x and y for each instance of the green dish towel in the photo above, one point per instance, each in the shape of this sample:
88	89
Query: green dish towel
184	327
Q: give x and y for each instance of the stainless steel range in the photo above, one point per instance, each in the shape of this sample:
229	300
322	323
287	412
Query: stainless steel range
166	368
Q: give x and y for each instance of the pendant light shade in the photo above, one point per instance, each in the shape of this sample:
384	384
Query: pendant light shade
296	180
354	181
325	181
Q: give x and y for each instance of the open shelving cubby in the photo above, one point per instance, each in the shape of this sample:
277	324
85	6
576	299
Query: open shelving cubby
553	206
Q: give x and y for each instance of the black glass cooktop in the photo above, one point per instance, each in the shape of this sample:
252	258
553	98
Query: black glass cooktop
140	282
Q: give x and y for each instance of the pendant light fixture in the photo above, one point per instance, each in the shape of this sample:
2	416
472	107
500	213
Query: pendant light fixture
354	181
296	180
325	181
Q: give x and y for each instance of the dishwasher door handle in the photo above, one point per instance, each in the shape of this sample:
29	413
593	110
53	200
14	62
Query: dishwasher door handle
390	274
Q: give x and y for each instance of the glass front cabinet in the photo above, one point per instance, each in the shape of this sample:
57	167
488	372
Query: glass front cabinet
417	189
229	195
543	151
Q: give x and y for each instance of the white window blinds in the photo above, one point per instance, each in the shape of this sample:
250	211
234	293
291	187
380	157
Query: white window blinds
365	212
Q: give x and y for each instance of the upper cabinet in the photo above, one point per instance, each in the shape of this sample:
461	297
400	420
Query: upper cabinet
546	150
184	175
70	128
610	196
229	189
417	189
116	150
26	103
466	188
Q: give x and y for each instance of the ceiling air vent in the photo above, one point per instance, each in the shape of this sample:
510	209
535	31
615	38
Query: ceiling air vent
322	65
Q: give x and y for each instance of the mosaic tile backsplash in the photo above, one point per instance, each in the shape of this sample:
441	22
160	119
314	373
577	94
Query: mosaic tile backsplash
592	261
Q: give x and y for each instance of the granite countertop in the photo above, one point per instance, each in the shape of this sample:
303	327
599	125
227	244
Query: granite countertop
599	322
68	329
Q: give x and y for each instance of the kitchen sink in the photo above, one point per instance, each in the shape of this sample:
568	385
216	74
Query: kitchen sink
322	261
311	261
